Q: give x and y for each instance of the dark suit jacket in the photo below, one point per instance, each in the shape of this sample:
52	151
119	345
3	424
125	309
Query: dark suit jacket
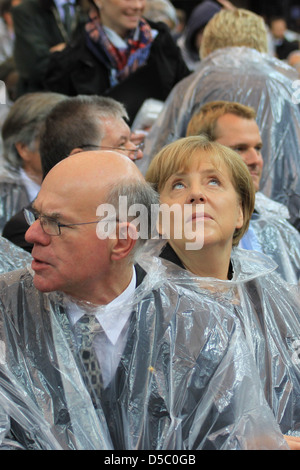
77	70
37	28
15	229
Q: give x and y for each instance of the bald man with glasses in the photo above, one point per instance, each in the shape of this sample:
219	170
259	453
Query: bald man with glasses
100	349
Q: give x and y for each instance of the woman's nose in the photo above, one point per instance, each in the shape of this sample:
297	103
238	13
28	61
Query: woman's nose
196	196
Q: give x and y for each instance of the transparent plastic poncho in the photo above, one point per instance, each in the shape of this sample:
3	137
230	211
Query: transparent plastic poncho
13	194
271	233
187	378
12	257
253	79
268	309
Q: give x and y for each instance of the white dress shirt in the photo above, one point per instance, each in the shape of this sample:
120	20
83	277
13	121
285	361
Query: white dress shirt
114	319
59	5
32	188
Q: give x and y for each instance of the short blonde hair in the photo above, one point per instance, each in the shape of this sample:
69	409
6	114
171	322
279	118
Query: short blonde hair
177	156
204	121
234	28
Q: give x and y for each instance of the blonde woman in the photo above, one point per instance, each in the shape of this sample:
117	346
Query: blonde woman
215	184
235	67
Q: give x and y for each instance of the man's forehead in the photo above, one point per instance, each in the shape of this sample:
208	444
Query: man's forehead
233	125
91	166
85	179
115	125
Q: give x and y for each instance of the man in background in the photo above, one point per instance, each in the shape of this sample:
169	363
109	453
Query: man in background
81	123
234	125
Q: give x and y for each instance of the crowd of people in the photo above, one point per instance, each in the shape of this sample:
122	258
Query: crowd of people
149	221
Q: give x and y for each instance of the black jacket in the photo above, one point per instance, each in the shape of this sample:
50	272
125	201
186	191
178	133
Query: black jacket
76	70
37	28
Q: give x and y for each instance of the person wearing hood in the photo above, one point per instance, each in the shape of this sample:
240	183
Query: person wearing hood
207	198
21	172
234	125
190	40
153	374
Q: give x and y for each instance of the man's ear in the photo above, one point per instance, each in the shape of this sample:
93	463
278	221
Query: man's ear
123	244
22	150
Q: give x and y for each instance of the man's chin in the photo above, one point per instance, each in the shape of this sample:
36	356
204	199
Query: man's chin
256	182
42	284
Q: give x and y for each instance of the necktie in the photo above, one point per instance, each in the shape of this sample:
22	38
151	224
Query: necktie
68	17
88	328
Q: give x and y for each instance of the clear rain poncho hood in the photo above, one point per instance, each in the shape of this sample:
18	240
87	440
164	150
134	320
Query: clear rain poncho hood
186	380
244	75
271	233
13	194
268	309
12	257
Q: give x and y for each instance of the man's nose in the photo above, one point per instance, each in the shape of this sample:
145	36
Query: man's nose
138	4
136	152
253	157
35	234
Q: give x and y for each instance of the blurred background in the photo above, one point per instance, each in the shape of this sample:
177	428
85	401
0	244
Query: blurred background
289	9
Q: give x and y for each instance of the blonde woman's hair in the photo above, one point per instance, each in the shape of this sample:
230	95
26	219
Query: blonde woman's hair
204	121
176	156
234	28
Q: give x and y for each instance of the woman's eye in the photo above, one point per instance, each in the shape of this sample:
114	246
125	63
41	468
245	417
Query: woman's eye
177	185
214	181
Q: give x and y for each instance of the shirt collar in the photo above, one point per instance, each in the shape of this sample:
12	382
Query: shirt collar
60	3
113	316
32	187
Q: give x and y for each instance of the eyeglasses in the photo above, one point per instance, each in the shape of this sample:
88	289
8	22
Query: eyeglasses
49	225
134	151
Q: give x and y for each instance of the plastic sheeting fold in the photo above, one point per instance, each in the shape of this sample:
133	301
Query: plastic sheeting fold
190	377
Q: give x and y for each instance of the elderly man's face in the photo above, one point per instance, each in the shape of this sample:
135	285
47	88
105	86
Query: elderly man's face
73	261
117	134
77	261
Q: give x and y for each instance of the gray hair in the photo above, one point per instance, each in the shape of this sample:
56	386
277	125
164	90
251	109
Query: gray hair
138	193
76	123
24	122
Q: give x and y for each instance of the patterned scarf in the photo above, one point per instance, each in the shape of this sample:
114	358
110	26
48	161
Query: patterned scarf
123	61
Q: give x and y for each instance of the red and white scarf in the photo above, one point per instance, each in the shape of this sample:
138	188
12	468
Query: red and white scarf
124	61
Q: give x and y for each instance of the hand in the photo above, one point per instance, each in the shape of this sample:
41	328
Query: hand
137	137
58	48
293	442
